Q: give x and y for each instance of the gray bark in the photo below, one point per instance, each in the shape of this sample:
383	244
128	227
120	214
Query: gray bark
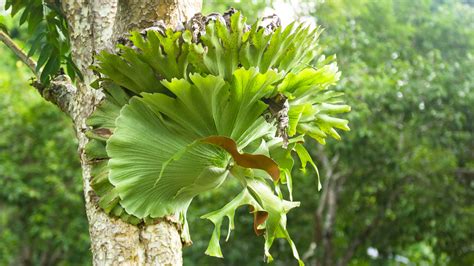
95	25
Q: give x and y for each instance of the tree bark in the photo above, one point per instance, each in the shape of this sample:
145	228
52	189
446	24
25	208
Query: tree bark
93	26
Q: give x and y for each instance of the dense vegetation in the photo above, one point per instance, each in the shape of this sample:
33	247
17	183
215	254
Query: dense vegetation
401	182
42	217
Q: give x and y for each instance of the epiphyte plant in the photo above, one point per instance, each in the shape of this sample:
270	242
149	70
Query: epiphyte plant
187	108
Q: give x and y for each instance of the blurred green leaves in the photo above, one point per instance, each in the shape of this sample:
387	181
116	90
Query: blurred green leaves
48	33
42	217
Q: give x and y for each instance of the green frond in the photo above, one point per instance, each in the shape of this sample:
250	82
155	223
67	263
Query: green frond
182	114
313	104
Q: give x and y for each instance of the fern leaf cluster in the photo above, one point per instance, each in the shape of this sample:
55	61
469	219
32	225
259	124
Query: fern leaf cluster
187	109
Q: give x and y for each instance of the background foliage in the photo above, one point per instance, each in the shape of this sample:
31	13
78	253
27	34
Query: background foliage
42	217
402	179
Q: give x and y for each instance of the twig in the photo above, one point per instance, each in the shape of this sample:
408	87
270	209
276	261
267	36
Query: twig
19	52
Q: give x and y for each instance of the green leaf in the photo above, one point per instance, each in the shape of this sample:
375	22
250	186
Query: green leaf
24	15
217	217
109	109
165	54
214	108
36	43
312	105
8	4
73	69
16	7
51	68
262	199
138	148
45	54
128	71
36	17
305	158
95	149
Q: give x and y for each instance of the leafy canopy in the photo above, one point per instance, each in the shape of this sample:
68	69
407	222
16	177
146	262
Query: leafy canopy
186	110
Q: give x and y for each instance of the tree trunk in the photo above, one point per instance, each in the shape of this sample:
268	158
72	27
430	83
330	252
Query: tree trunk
93	26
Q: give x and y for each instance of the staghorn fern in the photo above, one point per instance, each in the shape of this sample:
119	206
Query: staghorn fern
187	109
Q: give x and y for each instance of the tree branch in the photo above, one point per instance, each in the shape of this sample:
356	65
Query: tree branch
328	229
60	91
324	227
329	167
19	52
